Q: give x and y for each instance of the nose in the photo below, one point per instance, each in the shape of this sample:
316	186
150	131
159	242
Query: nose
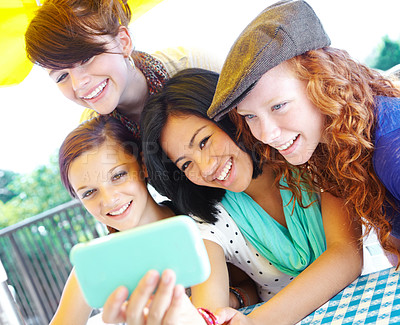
267	131
108	198
79	78
206	164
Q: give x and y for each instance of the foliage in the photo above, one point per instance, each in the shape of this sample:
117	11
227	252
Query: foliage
6	177
36	192
387	54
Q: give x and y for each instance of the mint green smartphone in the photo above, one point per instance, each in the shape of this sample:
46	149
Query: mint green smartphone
123	258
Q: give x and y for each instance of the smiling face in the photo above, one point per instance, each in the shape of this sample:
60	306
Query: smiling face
279	114
206	154
104	81
110	184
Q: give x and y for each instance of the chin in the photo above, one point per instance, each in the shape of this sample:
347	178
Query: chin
296	161
103	111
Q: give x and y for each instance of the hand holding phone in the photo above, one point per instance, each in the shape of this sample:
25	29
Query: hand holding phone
122	259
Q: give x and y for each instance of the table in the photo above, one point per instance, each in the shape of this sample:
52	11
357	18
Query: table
371	299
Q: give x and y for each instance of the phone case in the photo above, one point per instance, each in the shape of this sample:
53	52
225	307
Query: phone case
123	258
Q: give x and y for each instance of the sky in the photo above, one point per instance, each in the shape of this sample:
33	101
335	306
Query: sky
35	118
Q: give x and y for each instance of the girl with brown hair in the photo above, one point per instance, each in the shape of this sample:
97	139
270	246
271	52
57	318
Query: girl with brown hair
86	47
100	164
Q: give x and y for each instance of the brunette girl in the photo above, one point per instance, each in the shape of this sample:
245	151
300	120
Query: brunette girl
88	51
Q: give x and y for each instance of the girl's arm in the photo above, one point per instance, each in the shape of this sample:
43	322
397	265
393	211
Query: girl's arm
336	268
214	292
73	308
240	281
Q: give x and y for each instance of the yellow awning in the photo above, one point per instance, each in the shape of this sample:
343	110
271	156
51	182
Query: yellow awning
14	19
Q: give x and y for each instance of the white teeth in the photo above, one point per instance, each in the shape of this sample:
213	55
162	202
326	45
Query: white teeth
120	211
225	172
287	144
97	91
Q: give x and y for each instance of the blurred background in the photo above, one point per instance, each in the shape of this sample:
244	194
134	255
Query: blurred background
38	221
35	117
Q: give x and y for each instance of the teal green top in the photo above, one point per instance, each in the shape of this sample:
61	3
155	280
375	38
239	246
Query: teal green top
289	249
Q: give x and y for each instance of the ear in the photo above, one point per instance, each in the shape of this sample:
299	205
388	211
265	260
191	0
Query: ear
143	166
125	41
144	170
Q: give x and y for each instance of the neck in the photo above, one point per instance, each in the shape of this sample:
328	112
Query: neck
134	97
157	212
262	185
263	191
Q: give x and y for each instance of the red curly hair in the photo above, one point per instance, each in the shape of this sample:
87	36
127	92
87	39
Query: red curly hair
344	91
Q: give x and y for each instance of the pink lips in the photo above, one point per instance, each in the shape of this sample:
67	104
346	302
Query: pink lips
97	92
230	176
291	148
120	212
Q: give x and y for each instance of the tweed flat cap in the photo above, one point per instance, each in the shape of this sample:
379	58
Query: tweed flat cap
280	32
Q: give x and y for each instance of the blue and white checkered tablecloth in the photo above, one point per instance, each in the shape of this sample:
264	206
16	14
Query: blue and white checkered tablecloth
371	299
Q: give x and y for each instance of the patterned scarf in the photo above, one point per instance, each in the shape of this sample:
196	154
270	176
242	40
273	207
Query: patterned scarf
156	76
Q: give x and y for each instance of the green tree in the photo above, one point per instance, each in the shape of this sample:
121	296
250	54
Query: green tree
387	54
35	192
6	177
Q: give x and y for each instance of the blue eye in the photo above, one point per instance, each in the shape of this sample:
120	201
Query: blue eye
249	116
85	60
62	77
204	142
278	106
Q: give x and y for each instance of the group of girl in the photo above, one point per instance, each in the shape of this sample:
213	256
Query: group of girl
287	213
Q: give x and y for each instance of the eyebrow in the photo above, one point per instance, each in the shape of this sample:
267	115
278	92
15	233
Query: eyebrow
108	173
190	143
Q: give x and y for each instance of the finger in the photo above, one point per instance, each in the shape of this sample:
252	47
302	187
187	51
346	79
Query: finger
113	311
181	310
162	298
139	298
225	314
176	305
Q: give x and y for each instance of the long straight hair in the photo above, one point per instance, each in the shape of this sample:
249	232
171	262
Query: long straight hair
187	93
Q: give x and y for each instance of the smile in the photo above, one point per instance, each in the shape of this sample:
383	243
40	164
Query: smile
121	210
226	171
287	144
97	91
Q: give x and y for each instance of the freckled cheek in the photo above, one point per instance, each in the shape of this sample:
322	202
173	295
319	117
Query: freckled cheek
255	130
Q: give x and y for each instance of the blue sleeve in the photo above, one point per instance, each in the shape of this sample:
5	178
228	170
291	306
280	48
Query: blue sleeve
387	161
